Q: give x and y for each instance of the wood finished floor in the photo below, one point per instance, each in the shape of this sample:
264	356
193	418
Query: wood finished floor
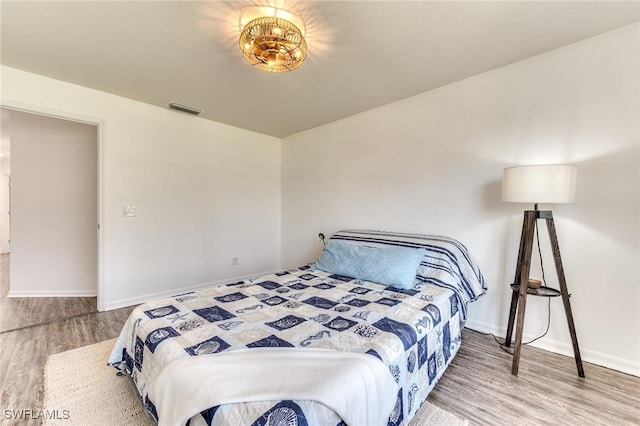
477	386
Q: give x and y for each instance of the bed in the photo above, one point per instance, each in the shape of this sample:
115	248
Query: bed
311	345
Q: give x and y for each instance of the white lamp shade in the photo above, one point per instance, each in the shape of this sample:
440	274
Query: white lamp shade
554	183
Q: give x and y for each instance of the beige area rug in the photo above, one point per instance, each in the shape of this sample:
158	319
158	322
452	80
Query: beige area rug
80	389
80	382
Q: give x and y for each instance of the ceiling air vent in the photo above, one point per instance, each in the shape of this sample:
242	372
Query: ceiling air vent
184	108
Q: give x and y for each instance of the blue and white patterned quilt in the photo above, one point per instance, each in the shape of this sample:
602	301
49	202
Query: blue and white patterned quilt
415	333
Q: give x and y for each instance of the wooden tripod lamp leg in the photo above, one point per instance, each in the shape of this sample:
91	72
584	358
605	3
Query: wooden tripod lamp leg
565	292
514	293
522	274
512	317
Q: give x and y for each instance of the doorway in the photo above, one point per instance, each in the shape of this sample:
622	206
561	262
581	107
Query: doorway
51	272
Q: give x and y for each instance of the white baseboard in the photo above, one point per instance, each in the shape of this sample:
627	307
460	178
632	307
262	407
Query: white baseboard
123	303
52	293
594	357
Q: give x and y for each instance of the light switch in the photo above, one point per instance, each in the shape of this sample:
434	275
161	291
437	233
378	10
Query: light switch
129	211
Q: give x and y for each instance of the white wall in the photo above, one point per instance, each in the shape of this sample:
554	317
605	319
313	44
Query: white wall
54	203
433	163
5	178
205	192
5	203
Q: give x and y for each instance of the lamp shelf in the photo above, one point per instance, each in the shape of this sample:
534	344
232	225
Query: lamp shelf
542	291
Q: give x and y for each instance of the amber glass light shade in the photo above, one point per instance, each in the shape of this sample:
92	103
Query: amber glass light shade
273	44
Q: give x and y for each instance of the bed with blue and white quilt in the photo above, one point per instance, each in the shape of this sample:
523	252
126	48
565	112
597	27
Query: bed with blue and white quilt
358	338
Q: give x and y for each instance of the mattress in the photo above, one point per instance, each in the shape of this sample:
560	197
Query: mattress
413	333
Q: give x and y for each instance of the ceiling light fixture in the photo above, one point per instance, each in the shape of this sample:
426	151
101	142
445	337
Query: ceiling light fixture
273	44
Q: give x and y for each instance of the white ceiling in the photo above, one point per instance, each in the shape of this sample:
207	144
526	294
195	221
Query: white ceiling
362	54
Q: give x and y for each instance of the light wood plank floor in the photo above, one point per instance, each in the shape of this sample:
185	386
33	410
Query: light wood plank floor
478	386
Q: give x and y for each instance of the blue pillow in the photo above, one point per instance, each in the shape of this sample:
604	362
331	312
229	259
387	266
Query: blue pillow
389	265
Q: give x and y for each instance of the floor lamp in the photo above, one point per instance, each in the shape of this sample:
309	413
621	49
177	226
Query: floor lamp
538	184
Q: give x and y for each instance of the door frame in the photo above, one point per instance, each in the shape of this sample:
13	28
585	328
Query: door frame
99	123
